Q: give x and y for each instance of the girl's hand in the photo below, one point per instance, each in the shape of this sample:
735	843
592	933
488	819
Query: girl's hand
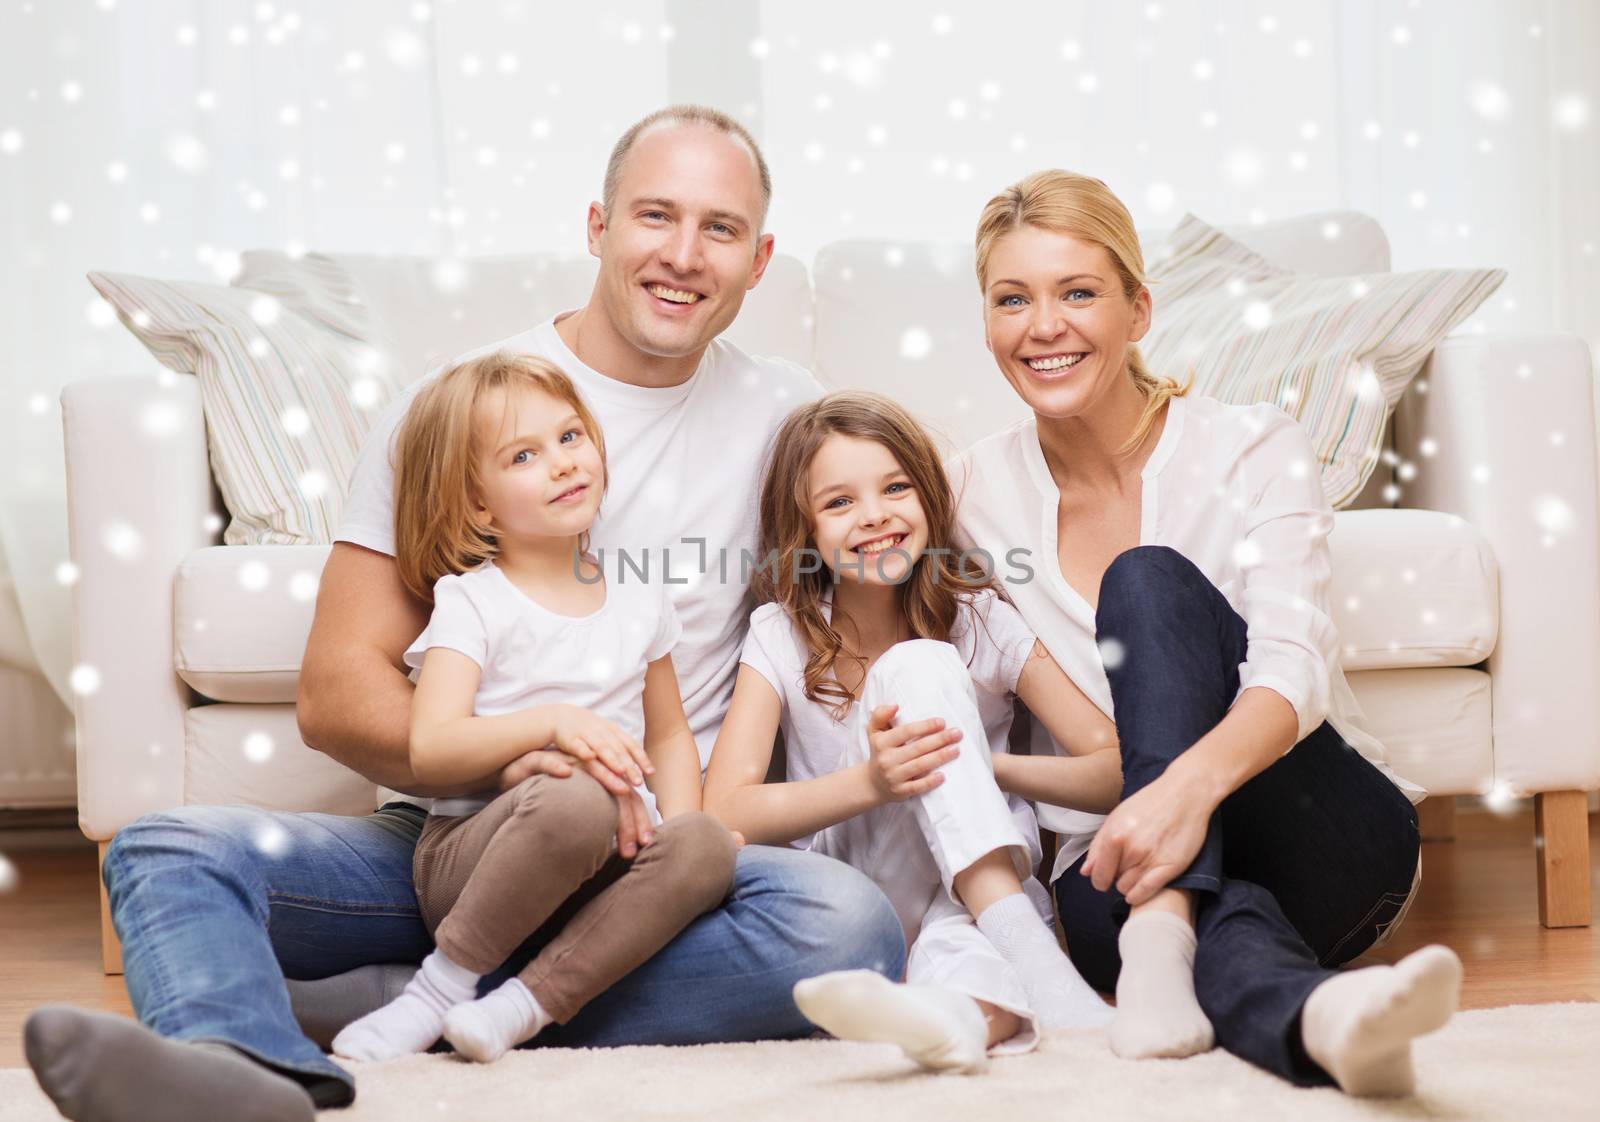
1151	837
588	737
905	760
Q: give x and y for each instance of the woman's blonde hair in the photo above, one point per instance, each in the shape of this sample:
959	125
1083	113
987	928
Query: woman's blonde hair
927	598
1084	208
438	478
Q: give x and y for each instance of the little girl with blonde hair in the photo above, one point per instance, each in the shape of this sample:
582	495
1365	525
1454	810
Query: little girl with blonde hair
869	612
499	476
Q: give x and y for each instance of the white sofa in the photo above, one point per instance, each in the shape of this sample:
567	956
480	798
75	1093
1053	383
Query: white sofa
1472	636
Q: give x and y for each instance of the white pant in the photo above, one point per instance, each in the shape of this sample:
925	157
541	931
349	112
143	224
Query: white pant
914	849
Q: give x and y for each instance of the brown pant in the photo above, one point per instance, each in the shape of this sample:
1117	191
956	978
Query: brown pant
540	860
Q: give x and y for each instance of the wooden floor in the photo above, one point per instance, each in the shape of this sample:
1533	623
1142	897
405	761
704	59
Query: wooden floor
1477	897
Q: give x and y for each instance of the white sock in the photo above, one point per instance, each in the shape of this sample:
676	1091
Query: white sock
1358	1026
1157	1014
1059	995
412	1022
484	1030
938	1028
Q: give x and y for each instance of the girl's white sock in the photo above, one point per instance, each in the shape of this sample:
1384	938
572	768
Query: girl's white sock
1358	1026
1157	1013
940	1029
484	1030
412	1022
1059	995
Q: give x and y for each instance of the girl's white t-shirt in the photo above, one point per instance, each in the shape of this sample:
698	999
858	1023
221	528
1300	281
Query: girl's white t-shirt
817	744
530	655
684	465
1235	489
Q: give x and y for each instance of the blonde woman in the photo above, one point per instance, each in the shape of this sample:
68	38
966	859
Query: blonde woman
499	475
1179	558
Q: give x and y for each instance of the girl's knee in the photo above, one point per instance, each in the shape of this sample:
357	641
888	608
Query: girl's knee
924	661
571	813
701	854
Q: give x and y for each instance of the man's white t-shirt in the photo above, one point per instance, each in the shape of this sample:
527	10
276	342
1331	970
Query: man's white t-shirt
529	655
989	635
685	464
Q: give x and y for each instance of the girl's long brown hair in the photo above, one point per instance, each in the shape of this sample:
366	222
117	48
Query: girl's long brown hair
928	598
437	477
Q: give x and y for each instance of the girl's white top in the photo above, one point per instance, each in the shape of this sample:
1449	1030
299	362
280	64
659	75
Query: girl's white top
530	655
817	744
1235	489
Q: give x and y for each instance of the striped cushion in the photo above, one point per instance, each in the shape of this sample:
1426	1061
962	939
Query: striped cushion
289	378
1335	352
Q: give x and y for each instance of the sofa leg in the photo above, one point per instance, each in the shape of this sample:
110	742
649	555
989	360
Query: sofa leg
1561	837
1436	818
110	946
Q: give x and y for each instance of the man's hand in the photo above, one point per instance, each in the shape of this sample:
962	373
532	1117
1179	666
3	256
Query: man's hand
1151	837
544	761
906	759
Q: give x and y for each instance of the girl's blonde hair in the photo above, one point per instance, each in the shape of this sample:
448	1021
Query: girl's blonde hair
1083	208
927	598
438	477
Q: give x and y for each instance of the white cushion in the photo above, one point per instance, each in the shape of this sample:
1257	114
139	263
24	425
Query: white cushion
1434	724
253	754
289	378
1335	352
430	309
1412	588
241	615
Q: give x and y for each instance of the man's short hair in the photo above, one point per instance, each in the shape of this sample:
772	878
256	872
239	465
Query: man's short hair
701	115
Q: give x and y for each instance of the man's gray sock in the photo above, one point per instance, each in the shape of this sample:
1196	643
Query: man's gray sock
324	1007
99	1068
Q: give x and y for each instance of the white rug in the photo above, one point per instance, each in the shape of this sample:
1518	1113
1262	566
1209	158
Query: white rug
1519	1062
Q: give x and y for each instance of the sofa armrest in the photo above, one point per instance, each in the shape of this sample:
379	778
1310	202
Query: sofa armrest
1501	431
138	497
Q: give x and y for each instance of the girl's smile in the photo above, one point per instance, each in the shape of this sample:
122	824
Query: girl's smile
865	512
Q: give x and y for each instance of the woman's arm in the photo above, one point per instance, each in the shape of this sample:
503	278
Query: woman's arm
1090	778
1284	679
669	743
773	813
448	745
1154	834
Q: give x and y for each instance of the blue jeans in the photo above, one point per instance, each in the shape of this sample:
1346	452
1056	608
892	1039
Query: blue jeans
215	906
1303	867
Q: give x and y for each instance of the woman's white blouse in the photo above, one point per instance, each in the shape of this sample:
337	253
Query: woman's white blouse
1235	489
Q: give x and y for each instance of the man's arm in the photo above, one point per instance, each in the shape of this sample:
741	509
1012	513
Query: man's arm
354	700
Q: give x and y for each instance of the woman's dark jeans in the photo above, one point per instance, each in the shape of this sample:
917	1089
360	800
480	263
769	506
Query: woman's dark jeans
1302	867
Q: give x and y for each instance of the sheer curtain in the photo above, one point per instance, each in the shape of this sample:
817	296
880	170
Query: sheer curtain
165	136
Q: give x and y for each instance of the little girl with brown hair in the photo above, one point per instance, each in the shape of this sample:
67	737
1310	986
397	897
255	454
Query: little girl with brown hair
499	475
868	611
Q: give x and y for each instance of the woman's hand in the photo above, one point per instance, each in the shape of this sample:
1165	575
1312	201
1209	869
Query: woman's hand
588	737
1151	837
633	821
905	760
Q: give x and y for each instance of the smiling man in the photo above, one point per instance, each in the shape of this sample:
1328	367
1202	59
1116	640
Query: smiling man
212	923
